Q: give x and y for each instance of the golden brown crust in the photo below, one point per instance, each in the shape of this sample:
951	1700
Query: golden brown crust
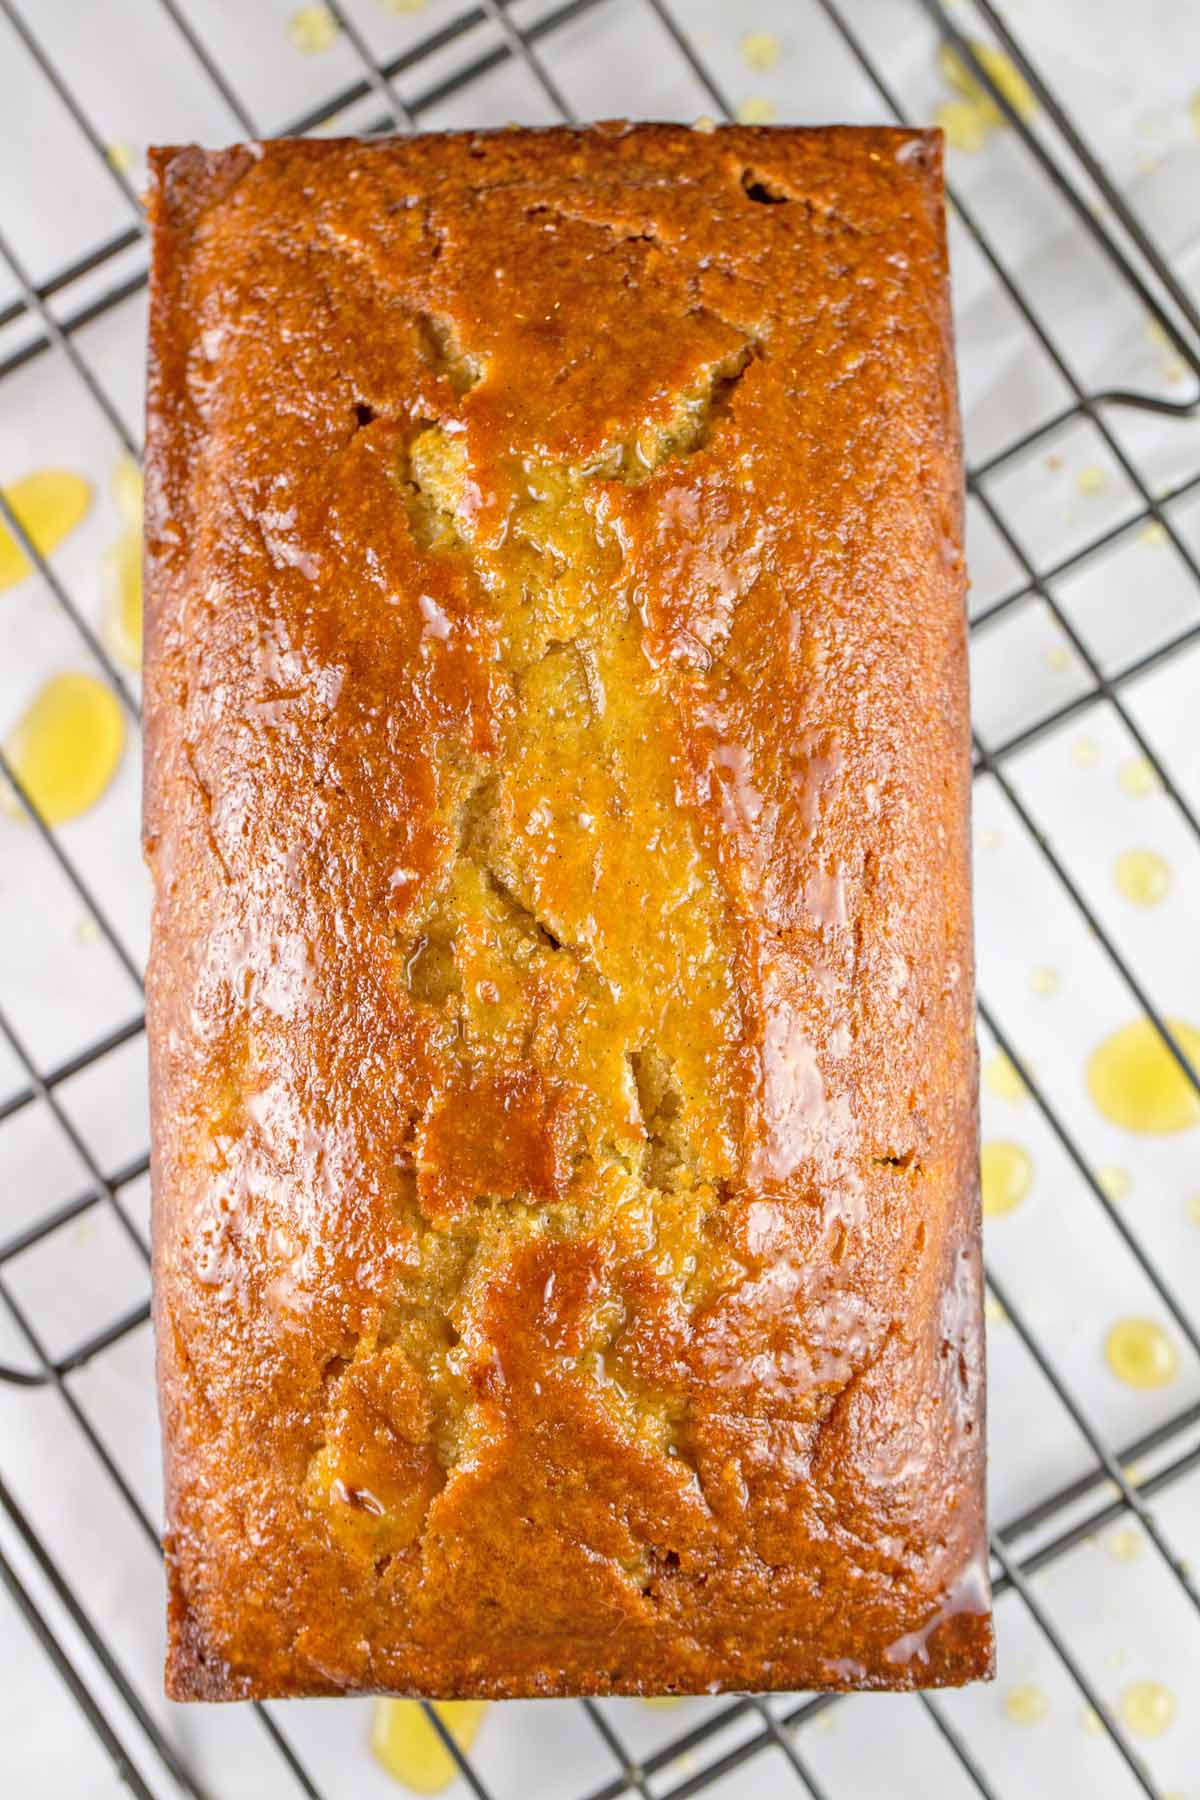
563	1088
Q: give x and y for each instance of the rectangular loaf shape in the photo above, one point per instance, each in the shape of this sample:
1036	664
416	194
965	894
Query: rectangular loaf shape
560	1004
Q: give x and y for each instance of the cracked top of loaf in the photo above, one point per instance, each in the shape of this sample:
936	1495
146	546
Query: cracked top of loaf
566	1227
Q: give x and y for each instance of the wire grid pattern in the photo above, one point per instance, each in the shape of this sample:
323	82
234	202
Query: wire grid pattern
51	318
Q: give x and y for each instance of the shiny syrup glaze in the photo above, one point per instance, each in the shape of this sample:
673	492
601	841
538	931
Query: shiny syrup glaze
563	1080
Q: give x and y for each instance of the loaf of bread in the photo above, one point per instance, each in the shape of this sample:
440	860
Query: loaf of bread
563	1077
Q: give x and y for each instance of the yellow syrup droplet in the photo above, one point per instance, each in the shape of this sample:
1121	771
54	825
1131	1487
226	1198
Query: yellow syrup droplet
1154	534
312	29
757	110
1002	1078
404	6
1142	876
1148	1708
405	1743
660	1699
1138	776
65	747
990	839
1059	659
1140	1354
48	505
1092	479
1126	1544
127	491
121	579
993	1312
1136	1082
1026	1705
120	155
1006	1174
1091	1721
1193	1209
760	50
1003	72
1114	1181
966	125
1085	752
1045	980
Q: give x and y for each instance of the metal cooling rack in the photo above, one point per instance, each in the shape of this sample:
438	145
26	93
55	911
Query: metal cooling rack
109	273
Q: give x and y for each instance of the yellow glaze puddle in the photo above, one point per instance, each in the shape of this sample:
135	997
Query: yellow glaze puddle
48	506
757	110
965	126
1126	1544
1142	877
1136	1082
127	491
967	122
1114	1181
1139	1353
1006	1175
760	50
1001	1078
1026	1704
121	578
65	747
405	1743
121	572
1138	776
312	29
1148	1708
1002	70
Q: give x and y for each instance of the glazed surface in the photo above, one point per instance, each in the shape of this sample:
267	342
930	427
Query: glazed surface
563	1079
